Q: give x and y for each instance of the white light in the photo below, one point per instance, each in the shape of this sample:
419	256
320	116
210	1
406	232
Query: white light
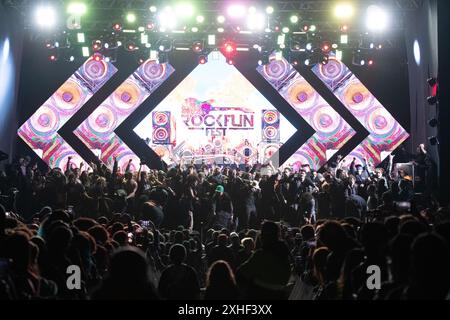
252	10
153	54
372	45
167	19
278	55
260	62
362	62
85	51
5	51
81	38
153	9
56	44
294	19
312	28
309	46
236	11
144	38
255	21
194	29
77	8
416	48
72	58
269	10
343	11
377	18
184	10
285	30
220	19
119	43
161	48
141	29
344	39
45	17
107	59
339	55
211	40
148	45
267	30
200	19
220	30
106	45
255	46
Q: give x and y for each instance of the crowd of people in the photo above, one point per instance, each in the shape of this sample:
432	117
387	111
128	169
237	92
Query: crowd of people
220	233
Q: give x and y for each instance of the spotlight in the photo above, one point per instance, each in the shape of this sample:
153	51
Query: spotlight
220	30
305	28
194	29
377	18
370	62
77	8
131	17
71	58
117	27
324	60
236	11
153	9
432	82
211	39
255	21
85	51
294	19
229	48
312	28
200	19
269	10
167	18
433	123
326	47
197	47
307	62
96	45
45	17
344	28
202	59
433	141
98	57
432	100
220	19
343	11
131	46
285	30
150	26
362	62
294	62
81	38
53	57
309	46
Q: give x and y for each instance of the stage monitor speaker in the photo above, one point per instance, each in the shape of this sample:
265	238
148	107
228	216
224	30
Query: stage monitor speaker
161	127
270	126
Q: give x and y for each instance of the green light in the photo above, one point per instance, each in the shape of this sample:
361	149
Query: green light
269	10
131	17
77	8
294	19
85	51
200	19
81	38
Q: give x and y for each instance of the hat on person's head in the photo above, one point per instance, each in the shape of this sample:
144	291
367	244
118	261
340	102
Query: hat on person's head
220	189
